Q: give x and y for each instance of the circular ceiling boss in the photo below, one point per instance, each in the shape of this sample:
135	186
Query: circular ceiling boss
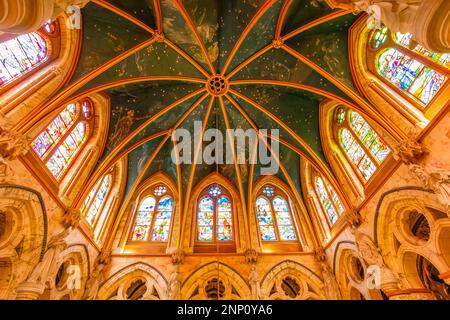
217	85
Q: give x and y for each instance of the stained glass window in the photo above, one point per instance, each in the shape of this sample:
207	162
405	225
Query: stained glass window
20	55
215	216
144	219
265	219
275	220
154	217
402	65
163	216
380	37
362	145
59	143
93	204
329	199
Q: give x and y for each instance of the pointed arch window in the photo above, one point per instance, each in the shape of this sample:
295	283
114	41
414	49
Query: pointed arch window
154	216
330	203
59	143
215	216
275	219
362	146
24	53
95	201
415	72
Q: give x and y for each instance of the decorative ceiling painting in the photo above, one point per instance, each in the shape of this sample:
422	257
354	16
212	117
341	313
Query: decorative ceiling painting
154	59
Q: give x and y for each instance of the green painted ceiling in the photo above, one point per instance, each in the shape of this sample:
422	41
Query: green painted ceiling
110	28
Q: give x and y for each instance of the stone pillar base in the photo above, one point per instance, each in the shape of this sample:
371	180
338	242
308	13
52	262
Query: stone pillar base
29	291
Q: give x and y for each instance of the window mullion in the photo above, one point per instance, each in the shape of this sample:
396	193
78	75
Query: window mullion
274	217
155	210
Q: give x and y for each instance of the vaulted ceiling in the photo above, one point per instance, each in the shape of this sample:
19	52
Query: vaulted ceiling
154	58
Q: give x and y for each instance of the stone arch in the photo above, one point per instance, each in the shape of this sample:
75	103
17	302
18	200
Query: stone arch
72	262
23	242
235	287
402	247
115	288
352	285
310	285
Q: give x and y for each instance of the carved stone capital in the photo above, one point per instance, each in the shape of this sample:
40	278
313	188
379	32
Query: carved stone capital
251	256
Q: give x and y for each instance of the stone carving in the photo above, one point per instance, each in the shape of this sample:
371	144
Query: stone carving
178	257
71	218
251	256
353	218
331	286
409	151
255	283
174	287
370	253
437	180
45	270
12	145
96	277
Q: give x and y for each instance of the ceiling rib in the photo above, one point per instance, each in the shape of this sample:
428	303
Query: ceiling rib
39	115
194	162
194	31
124	14
247	29
388	124
284	10
111	159
158	14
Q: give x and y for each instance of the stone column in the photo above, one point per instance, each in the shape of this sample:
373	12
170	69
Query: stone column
174	286
23	16
427	20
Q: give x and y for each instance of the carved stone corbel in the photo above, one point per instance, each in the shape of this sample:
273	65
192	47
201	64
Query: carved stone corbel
251	256
354	218
177	257
410	151
12	146
71	218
